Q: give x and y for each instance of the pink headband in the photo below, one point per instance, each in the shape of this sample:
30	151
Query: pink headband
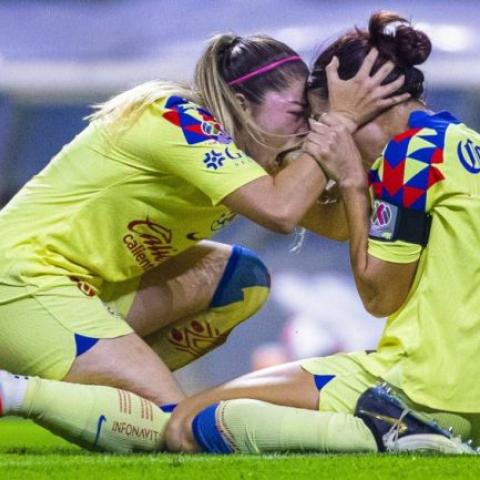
264	69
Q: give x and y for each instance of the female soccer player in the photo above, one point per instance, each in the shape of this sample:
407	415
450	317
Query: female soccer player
104	278
412	261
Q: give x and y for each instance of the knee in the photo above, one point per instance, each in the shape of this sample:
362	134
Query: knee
245	283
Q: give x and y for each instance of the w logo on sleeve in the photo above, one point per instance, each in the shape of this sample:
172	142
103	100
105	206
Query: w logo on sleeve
469	156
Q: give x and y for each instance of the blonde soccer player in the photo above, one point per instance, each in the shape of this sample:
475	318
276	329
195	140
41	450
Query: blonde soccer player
107	276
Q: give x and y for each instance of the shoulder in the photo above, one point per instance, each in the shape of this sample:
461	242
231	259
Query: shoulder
411	162
195	122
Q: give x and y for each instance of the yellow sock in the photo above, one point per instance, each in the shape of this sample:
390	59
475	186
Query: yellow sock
95	417
253	426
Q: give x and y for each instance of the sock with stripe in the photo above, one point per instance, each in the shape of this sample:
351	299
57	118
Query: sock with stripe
92	416
253	426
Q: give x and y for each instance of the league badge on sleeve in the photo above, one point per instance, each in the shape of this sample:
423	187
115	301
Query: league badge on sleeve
383	220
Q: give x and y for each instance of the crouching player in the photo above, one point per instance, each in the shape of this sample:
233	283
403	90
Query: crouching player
117	420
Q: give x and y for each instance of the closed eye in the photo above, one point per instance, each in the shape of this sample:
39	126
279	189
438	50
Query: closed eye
299	114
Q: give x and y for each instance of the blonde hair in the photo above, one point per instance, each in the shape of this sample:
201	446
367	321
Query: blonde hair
219	97
129	105
229	57
226	57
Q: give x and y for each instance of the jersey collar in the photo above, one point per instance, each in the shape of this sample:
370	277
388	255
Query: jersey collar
422	119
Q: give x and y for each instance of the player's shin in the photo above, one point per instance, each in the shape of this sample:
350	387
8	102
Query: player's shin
253	426
94	417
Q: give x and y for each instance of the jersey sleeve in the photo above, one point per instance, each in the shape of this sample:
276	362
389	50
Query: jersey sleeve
185	140
406	175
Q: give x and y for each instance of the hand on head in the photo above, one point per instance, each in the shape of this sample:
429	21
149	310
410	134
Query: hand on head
358	99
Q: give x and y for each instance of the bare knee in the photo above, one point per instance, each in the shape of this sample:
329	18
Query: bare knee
181	286
127	363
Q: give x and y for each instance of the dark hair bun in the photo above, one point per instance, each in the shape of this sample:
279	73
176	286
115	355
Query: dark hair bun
394	36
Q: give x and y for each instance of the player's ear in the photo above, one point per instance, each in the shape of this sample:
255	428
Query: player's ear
243	102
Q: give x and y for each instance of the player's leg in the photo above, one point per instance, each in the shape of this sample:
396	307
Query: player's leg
65	332
225	285
188	305
274	422
277	409
70	331
94	417
127	362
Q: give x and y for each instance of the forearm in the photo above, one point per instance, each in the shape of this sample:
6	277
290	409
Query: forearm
279	203
357	209
328	220
296	188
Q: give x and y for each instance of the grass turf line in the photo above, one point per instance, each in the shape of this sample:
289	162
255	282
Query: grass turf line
30	453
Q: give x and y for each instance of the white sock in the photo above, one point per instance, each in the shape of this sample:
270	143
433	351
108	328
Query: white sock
12	392
254	426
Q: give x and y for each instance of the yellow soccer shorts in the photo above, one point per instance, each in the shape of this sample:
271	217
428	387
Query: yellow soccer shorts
43	329
341	379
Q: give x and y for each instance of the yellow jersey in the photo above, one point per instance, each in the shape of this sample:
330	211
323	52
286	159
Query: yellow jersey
110	207
430	347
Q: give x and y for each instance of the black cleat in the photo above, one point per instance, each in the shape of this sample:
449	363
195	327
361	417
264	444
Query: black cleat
398	428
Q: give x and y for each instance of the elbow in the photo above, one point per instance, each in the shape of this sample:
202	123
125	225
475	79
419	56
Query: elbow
281	221
284	228
380	308
343	236
375	311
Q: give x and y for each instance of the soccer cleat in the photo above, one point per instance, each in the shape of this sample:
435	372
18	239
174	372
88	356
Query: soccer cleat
397	428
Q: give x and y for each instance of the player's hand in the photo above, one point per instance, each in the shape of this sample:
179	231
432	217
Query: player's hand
363	96
331	144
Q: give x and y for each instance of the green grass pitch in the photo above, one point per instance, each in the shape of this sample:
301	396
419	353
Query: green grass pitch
30	453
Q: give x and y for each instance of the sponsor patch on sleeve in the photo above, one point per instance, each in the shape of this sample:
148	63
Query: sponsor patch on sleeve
383	220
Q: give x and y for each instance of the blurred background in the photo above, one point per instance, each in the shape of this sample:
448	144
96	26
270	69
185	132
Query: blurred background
59	56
